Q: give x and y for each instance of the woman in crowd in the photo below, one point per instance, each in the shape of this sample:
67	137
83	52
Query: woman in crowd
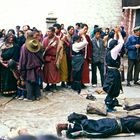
9	51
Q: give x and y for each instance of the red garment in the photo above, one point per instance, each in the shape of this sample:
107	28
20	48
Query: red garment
85	73
50	71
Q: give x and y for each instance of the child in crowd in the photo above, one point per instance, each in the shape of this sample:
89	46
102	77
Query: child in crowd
21	92
21	89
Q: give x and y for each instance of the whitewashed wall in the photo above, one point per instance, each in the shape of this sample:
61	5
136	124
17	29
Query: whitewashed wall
105	13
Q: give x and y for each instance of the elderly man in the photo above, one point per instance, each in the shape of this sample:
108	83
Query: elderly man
133	46
30	64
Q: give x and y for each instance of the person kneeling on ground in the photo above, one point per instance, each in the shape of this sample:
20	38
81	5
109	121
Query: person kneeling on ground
112	83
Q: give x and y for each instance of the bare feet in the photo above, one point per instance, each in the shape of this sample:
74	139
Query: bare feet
126	107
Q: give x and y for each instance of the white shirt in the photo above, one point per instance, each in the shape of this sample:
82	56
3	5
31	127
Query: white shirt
115	51
77	46
98	44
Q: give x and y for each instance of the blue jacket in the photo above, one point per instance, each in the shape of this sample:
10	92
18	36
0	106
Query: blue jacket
130	46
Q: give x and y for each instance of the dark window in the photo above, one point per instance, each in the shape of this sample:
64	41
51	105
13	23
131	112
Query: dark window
137	22
127	3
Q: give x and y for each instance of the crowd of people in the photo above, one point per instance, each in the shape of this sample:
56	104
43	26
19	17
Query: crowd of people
28	58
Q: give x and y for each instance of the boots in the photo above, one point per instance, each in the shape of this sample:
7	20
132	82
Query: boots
61	127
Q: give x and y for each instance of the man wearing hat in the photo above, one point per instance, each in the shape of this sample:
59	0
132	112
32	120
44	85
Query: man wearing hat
30	67
112	84
133	47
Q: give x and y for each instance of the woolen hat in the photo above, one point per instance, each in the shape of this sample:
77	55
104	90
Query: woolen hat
112	44
137	28
75	38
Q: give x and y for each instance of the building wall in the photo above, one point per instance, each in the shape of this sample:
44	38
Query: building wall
105	13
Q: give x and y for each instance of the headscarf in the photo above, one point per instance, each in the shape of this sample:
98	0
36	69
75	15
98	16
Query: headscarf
112	44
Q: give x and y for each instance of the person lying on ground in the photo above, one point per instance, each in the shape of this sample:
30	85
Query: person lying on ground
81	126
132	107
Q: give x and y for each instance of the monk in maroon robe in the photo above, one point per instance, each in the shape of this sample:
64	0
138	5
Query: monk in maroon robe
50	71
87	51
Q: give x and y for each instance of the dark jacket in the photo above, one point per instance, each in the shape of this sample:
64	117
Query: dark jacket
30	64
98	53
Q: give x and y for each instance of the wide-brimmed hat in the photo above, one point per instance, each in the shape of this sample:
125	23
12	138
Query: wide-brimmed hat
33	45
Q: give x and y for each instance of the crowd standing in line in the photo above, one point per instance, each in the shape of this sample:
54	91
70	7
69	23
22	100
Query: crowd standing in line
63	56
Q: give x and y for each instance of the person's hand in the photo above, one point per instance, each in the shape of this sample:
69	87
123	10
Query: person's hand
5	64
117	29
81	32
90	60
64	38
137	46
22	83
18	82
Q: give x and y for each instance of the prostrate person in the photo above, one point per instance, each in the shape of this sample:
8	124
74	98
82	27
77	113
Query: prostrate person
132	107
81	126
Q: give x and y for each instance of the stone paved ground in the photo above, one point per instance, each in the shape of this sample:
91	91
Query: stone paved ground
41	117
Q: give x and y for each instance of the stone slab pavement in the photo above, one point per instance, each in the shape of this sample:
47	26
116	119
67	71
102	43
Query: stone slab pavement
41	117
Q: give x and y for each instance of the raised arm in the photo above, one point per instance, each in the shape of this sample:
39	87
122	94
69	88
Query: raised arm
115	51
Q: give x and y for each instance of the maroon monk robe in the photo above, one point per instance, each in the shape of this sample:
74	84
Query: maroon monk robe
51	73
85	73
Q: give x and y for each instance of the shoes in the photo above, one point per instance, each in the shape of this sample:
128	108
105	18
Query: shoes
111	110
47	88
83	86
128	84
100	91
16	97
91	97
29	100
79	91
38	98
136	83
126	107
21	98
63	85
94	85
